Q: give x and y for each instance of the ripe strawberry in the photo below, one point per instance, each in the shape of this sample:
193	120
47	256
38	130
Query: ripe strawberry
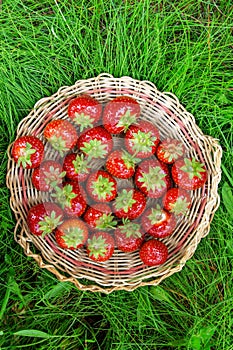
100	246
177	201
76	167
101	186
47	176
43	218
153	253
130	203
170	150
152	178
120	113
61	134
99	216
71	234
189	174
128	236
28	151
95	143
72	198
142	139
121	164
85	111
158	222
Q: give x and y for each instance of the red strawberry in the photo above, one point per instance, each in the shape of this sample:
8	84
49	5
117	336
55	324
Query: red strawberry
72	198
43	218
152	178
99	216
177	201
130	203
61	134
142	139
76	167
47	176
100	246
95	143
128	236
71	234
121	164
28	151
170	150
158	222
85	111
101	186
153	253
189	174
120	113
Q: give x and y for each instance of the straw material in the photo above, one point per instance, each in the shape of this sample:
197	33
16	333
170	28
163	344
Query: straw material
123	270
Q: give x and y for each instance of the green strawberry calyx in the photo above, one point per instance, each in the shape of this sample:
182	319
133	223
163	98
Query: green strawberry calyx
193	168
180	206
54	177
73	236
97	246
102	187
64	195
172	151
142	141
130	229
94	149
126	120
129	159
157	215
83	121
59	144
153	179
25	155
125	200
106	222
80	164
49	223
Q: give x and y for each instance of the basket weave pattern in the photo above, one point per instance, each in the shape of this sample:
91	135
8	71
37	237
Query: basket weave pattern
123	270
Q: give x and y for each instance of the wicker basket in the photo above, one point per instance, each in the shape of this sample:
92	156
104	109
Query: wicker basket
123	270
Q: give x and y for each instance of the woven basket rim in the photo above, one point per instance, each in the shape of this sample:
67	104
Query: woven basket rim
148	94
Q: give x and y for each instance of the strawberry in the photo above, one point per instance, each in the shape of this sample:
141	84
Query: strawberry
84	111
76	167
99	216
120	113
130	203
152	178
61	134
95	143
101	186
121	164
28	151
100	246
177	201
189	174
43	218
153	253
170	150
142	139
47	176
128	236
158	222
71	234
71	197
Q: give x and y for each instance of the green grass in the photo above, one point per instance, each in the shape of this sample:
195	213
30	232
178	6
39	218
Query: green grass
183	47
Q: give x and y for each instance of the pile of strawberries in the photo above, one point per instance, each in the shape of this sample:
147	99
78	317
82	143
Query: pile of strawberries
131	201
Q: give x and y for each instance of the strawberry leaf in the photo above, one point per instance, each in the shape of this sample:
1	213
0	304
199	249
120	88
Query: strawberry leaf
94	149
83	120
